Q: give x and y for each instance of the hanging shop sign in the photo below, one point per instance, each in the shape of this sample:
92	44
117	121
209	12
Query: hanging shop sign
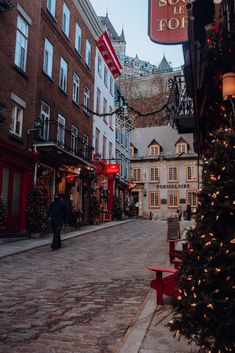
112	168
168	21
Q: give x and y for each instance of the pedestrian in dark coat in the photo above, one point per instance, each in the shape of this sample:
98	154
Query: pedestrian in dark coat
188	212
57	214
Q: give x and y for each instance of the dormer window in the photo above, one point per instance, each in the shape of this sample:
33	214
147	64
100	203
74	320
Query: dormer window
181	146
154	150
132	152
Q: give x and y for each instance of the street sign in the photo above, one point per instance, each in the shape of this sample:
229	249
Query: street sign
168	21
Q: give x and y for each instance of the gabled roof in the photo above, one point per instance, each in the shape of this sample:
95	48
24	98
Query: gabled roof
154	142
180	140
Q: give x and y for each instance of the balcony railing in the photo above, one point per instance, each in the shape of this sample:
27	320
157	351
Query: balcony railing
180	108
6	5
67	140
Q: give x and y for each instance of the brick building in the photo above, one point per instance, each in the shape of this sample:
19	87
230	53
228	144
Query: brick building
48	61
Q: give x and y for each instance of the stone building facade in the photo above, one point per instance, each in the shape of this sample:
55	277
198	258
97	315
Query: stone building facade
165	171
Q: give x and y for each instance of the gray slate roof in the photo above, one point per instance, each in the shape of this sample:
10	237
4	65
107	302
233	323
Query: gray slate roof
113	36
164	135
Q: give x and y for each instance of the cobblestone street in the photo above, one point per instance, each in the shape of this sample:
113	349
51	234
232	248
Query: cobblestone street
83	297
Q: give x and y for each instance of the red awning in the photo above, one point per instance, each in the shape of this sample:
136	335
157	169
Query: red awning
108	53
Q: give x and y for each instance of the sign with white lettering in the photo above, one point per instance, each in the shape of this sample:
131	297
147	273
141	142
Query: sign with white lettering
168	21
173	186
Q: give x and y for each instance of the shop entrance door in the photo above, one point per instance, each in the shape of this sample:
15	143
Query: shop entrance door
11	191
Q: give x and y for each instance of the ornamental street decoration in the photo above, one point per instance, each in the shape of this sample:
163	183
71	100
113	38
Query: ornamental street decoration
168	21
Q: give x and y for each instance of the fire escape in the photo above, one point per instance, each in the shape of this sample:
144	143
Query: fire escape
5	5
180	109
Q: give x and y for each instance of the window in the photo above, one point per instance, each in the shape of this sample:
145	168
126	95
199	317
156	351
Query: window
105	76
74	139
45	117
105	111
16	121
21	43
154	174
181	148
97	140
172	174
154	199
98	98
192	198
51	4
86	100
88	53
110	118
85	147
78	38
60	130
136	174
63	74
111	85
154	150
191	173
104	147
173	199
48	58
66	20
99	65
110	150
132	152
76	88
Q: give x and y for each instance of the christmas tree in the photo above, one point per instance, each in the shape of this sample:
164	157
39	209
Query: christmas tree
3	212
36	209
204	311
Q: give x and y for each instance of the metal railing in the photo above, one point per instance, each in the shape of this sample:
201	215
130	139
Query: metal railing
179	105
6	5
53	132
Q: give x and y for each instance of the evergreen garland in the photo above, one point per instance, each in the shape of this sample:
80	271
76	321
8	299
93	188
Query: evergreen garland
36	209
3	212
205	309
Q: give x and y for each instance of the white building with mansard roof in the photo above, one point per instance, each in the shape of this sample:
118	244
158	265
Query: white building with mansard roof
165	171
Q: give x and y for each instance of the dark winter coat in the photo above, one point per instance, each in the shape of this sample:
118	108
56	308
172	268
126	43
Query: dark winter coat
57	212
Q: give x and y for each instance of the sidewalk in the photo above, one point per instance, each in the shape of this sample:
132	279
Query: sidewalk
147	332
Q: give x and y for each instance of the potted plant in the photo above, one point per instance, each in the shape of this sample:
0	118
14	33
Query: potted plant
36	211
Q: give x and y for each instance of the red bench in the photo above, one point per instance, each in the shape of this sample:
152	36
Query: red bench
173	252
164	285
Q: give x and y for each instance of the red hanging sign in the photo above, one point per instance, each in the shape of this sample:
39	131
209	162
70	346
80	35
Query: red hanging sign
168	21
112	168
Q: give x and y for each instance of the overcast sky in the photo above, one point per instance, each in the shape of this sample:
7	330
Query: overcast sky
132	15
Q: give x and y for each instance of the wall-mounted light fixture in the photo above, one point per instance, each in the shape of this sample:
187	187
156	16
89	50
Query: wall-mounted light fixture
144	192
228	90
228	85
